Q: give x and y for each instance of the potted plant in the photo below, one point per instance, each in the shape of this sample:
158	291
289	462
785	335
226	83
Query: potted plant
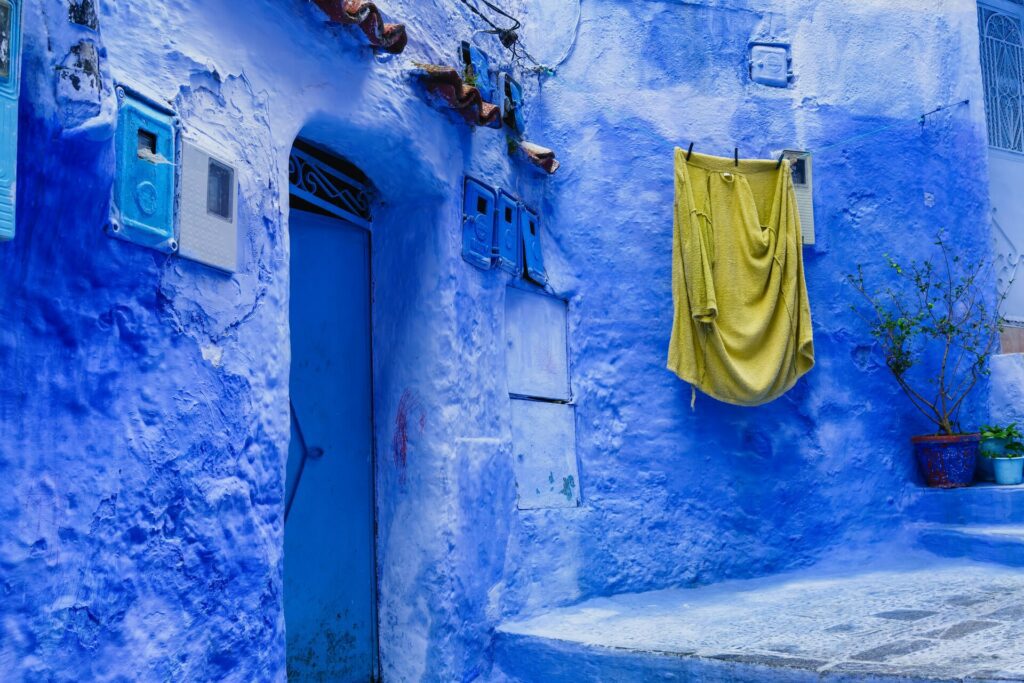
936	327
996	442
1003	455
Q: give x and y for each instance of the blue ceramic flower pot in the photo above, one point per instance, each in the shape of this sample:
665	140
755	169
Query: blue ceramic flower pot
990	448
947	462
1008	471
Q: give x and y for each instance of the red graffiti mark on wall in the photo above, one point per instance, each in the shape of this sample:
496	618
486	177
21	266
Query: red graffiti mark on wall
407	407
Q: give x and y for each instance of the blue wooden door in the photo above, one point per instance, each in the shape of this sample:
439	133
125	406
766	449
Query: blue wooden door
330	610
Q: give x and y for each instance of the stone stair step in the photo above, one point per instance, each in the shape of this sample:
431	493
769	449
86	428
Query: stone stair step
979	504
1000	543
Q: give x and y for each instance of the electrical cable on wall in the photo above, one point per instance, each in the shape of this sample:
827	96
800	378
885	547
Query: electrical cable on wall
510	39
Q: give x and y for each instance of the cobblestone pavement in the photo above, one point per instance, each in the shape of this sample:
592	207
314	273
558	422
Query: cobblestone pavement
946	622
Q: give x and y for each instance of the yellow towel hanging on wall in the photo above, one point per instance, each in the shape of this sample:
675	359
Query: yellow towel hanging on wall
742	328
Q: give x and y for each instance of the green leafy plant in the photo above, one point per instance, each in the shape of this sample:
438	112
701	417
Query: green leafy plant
940	311
1008	433
1010	436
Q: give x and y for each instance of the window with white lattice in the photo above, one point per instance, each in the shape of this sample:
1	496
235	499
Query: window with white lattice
1002	68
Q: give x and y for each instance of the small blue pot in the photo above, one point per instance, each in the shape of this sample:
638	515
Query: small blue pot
990	448
1008	471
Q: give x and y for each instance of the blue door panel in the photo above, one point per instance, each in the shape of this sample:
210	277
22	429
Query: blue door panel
10	81
329	578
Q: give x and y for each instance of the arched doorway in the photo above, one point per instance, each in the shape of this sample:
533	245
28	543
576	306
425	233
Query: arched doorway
330	578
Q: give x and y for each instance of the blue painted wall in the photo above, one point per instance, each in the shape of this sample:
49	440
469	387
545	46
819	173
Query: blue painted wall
143	407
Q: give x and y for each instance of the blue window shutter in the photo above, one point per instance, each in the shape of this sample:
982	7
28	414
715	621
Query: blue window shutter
511	103
144	187
10	82
534	259
474	59
478	215
510	241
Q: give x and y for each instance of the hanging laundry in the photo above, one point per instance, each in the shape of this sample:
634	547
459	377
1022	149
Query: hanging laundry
742	329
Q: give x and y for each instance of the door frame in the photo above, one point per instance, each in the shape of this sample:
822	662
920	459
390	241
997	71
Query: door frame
355	216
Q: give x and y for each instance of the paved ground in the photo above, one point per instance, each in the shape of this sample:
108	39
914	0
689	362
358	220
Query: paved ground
947	621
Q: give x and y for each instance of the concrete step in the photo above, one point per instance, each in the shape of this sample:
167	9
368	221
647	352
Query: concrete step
1001	543
979	504
944	621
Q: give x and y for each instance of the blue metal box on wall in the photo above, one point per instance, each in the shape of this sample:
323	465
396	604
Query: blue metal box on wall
144	187
10	81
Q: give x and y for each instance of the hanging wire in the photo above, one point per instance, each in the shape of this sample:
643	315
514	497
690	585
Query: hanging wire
572	43
881	129
509	37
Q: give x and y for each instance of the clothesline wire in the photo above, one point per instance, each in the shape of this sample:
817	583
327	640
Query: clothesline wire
881	129
861	136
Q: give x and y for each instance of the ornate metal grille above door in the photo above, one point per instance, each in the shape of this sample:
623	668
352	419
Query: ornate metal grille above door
1002	68
323	183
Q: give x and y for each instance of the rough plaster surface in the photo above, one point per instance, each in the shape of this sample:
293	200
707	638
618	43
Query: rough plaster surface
674	497
1006	400
143	412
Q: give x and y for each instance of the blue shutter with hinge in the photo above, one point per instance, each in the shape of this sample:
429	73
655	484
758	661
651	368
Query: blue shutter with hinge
511	94
478	71
534	260
478	213
10	81
144	187
510	243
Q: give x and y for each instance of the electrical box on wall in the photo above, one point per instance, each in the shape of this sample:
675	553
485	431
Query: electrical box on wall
510	245
10	86
478	216
146	165
803	188
533	257
496	227
771	64
208	210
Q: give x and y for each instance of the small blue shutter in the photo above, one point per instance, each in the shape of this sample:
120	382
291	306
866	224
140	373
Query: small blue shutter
478	214
10	81
531	246
475	59
512	104
144	187
510	243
